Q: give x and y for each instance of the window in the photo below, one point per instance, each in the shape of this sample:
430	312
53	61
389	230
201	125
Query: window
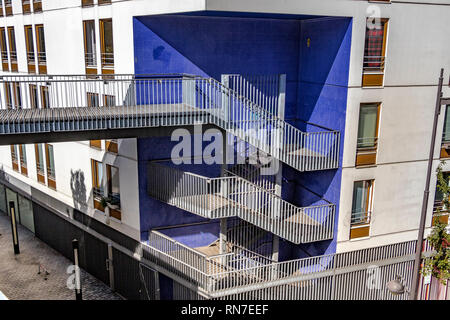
8	95
87	3
40	44
112	175
100	2
109	100
112	146
90	47
23	159
50	162
445	145
40	168
1	8
30	49
15	157
367	134
95	144
12	48
97	184
17	95
13	95
26	8
106	44
92	99
37	6
8	7
374	52
45	98
361	208
4	50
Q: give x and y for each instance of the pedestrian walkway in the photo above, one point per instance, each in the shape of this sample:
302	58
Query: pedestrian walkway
19	278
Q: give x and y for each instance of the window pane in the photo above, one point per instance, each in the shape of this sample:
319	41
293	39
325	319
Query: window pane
108	36
374	45
89	38
446	135
40	160
23	154
367	127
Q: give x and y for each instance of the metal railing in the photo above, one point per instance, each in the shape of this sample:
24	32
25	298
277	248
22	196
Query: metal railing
340	276
4	55
90	59
373	63
367	143
233	196
261	90
170	100
107	59
42	58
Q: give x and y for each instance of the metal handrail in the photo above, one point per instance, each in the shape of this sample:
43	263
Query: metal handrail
234	196
221	106
377	61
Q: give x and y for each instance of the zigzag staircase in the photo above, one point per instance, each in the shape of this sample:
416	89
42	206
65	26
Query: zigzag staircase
233	196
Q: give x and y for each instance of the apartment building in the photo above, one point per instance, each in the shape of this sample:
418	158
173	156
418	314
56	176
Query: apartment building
340	94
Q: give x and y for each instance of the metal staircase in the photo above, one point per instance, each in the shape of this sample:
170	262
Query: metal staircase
233	196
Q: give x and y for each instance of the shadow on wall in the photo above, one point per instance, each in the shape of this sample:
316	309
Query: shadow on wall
78	188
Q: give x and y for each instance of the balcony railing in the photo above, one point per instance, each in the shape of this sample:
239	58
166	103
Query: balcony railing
37	6
30	57
107	59
330	277
361	217
232	196
4	55
91	60
13	55
367	143
42	58
174	100
373	63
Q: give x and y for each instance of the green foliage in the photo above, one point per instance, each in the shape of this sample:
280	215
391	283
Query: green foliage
438	265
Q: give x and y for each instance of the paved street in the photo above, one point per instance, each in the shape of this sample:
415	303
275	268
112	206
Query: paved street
19	278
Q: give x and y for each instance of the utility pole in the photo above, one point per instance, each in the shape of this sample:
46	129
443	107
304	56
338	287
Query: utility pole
418	258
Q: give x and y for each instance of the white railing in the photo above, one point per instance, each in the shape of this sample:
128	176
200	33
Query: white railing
168	100
340	276
233	196
261	90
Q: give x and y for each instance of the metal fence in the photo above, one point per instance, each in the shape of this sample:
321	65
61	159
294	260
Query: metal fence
233	196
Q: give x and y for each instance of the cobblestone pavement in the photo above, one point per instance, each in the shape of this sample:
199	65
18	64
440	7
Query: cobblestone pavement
19	278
